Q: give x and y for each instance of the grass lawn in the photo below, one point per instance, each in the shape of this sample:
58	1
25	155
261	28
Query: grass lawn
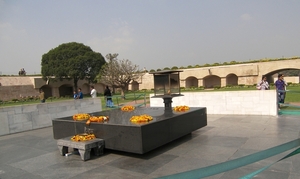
292	96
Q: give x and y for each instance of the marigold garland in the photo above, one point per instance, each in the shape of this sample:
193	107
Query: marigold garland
181	108
86	137
81	117
141	118
127	108
97	119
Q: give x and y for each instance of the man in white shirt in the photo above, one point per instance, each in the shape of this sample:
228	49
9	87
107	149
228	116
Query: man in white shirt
93	92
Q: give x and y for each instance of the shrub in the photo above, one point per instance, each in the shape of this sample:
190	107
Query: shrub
217	86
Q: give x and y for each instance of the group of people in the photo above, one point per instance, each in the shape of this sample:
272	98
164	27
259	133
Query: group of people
280	85
93	93
22	72
79	94
107	94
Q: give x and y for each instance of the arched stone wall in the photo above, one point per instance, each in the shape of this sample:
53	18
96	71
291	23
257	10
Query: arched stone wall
273	74
65	90
47	90
211	81
231	79
85	88
191	82
134	86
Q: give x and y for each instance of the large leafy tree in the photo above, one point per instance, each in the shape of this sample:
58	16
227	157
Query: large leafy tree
118	73
73	61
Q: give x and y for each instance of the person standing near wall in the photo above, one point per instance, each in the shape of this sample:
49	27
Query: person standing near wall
80	94
280	87
93	92
285	84
108	96
42	96
75	95
263	84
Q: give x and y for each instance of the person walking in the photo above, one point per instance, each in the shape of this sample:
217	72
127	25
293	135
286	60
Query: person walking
75	95
263	84
80	94
285	85
108	96
93	92
280	87
42	96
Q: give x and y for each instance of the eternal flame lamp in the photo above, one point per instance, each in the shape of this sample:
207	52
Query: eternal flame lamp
166	86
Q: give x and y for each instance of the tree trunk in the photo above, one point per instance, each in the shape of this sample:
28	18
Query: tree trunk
75	84
124	88
122	94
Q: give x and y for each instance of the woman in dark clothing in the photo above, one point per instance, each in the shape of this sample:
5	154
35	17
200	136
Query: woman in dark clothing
107	94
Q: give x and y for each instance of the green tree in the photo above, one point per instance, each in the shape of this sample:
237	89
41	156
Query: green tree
119	73
73	61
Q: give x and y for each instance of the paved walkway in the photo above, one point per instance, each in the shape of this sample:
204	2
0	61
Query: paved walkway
34	154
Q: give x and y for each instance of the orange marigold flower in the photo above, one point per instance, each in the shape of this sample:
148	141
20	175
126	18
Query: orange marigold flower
127	108
181	108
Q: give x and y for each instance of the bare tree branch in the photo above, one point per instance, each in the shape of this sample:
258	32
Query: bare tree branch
118	73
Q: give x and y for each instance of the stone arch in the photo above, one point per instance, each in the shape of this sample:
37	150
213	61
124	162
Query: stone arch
273	74
65	90
191	82
135	86
211	81
232	79
47	90
85	88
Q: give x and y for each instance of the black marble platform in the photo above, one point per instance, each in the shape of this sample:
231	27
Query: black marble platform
121	134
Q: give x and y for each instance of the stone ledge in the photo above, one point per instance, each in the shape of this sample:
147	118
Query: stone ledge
254	102
34	116
84	147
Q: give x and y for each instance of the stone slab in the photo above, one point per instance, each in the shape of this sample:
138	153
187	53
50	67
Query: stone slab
120	134
84	147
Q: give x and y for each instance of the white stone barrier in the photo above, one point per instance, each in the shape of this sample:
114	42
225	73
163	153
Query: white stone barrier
252	102
34	116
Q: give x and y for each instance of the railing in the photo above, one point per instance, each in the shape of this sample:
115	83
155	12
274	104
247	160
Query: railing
128	99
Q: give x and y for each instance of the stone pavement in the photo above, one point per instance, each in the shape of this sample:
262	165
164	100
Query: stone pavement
35	155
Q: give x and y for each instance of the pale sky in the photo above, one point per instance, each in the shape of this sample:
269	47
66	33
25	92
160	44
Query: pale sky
150	33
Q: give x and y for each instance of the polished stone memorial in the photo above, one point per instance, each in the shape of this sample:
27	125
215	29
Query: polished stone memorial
122	135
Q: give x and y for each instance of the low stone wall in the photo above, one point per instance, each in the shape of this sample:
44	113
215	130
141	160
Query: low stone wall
33	116
16	92
256	102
